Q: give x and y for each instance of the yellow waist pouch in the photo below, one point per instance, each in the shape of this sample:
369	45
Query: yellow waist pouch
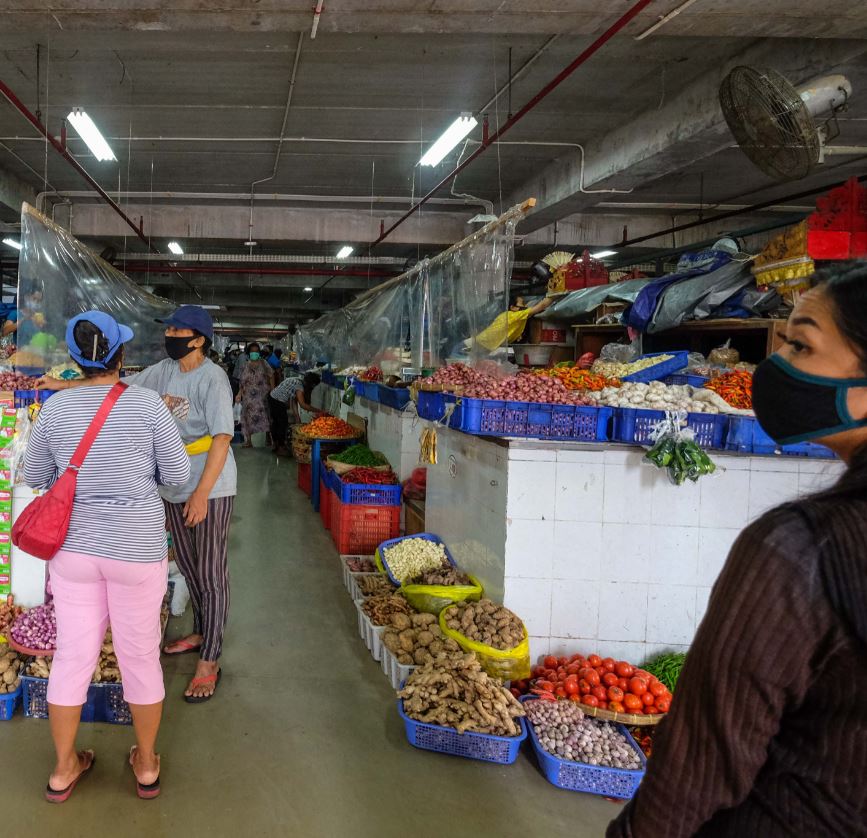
199	446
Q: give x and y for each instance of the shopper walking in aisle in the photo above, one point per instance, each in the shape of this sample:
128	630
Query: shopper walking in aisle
112	568
198	514
287	396
766	735
257	381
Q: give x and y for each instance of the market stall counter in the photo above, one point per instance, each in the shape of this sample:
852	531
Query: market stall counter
591	545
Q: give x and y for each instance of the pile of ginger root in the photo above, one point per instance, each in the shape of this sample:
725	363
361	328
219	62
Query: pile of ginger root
454	691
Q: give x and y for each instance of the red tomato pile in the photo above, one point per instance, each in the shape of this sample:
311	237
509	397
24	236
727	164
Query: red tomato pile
600	682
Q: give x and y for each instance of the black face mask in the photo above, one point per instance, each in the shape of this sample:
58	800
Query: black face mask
793	406
177	348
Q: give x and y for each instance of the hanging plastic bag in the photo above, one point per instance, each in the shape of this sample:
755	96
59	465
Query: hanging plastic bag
432	599
675	449
724	356
508	665
349	395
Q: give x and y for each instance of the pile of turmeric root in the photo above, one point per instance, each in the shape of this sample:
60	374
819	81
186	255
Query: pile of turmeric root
454	691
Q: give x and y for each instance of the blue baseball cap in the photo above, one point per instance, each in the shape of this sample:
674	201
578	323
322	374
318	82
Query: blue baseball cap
192	317
115	333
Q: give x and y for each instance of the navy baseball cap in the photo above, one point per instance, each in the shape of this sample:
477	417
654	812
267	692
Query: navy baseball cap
115	333
192	317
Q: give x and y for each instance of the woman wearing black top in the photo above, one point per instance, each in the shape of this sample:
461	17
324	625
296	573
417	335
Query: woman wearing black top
767	735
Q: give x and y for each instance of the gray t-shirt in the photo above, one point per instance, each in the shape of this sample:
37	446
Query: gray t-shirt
201	403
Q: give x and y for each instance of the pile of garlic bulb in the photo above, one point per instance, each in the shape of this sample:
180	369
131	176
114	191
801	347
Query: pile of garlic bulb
654	396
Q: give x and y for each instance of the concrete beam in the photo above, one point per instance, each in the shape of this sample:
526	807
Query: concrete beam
13	192
689	128
270	223
205	281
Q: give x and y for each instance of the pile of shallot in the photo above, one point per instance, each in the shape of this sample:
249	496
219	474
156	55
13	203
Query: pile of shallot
526	387
36	628
16	381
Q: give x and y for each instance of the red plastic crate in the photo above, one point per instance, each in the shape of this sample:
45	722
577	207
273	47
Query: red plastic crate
305	478
361	529
325	505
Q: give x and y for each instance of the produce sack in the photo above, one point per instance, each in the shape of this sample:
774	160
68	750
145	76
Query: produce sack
431	599
508	665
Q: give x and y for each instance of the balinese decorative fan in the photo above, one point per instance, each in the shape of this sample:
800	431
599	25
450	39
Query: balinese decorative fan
770	122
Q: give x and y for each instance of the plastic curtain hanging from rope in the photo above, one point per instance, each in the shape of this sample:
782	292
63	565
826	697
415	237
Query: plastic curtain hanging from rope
432	314
58	277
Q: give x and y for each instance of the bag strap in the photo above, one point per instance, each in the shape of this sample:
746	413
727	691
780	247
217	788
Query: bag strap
96	425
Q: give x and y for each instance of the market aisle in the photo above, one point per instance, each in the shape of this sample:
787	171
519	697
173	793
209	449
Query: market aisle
302	738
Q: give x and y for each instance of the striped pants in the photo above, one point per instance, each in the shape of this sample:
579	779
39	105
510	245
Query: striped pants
201	553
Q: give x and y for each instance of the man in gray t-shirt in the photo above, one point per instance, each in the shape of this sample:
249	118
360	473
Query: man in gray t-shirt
201	403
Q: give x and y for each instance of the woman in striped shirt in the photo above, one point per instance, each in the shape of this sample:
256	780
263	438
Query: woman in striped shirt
766	734
112	568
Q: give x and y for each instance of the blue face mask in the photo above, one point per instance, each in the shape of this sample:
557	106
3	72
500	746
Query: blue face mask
254	356
794	406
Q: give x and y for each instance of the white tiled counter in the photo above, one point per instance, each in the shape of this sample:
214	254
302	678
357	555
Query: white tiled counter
594	549
393	432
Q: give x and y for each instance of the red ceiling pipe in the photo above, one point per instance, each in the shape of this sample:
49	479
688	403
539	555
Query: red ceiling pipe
64	153
204	268
488	141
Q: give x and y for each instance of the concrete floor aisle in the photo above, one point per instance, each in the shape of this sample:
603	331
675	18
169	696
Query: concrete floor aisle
302	738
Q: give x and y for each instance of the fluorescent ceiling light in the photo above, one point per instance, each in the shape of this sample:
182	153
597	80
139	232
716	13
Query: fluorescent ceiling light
214	308
602	254
452	136
91	135
308	288
344	251
12	243
176	248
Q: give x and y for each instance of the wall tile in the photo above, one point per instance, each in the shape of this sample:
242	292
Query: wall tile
627	455
808	465
816	475
630	650
568	455
677	505
673	555
574	608
769	489
725	499
626	552
530	490
530	599
577	550
529	549
732	462
539	647
518	452
622	611
713	549
781	464
702	596
579	492
564	647
627	494
670	613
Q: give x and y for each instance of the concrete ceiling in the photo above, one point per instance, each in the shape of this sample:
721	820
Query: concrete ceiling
192	97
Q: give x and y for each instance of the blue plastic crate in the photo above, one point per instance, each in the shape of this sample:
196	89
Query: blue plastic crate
370	494
593	779
427	536
747	437
657	372
8	703
328	378
339	382
486	417
431	405
369	389
446	740
681	378
395	397
105	702
636	427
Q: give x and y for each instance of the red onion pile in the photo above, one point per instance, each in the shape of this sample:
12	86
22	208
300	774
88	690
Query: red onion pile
36	628
16	381
528	388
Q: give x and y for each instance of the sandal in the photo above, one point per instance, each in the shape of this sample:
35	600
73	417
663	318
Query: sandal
205	679
62	795
145	792
184	648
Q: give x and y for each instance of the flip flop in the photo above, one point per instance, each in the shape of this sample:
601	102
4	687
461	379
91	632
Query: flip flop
145	792
62	795
205	679
185	648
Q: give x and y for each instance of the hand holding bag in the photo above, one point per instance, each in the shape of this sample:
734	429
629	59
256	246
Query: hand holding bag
41	529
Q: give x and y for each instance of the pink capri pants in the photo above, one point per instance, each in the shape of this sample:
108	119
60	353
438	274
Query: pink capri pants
89	592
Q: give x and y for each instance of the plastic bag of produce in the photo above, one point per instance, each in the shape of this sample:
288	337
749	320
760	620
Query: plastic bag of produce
432	599
509	665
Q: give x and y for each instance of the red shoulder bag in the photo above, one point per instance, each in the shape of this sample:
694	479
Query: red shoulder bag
41	529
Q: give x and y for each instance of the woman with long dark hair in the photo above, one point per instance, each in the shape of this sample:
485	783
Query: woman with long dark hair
767	734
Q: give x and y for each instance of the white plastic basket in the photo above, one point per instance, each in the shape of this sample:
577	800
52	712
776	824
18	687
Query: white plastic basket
370	634
347	573
396	672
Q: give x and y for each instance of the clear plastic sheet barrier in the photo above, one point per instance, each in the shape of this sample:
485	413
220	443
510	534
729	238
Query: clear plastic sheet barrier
428	317
58	278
